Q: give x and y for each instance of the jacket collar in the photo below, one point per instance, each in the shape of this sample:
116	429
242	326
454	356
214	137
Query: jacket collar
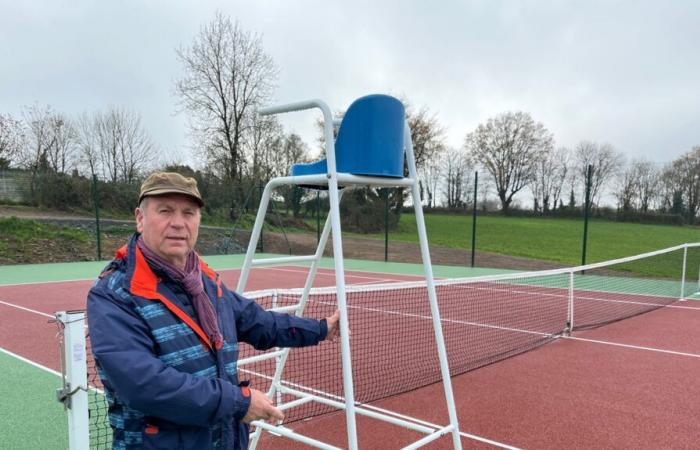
142	281
141	277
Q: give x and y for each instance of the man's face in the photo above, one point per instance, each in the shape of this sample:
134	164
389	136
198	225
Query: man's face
169	226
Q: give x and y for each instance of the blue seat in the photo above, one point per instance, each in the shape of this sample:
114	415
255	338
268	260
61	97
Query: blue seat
369	142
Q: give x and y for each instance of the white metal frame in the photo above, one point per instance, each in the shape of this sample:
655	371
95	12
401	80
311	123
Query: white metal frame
332	179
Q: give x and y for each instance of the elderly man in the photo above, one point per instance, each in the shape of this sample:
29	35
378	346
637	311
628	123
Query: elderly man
165	332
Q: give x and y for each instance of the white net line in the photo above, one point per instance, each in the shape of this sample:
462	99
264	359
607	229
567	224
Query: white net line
469	280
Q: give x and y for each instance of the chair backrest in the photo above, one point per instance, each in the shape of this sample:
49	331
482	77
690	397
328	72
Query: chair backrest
370	138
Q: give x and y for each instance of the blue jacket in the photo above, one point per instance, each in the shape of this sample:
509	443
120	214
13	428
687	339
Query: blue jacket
166	386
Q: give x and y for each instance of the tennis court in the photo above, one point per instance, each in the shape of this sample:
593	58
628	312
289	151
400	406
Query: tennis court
628	384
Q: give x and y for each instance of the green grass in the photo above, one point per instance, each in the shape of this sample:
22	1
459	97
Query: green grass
557	240
23	230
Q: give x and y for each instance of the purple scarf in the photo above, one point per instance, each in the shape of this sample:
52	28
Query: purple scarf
191	280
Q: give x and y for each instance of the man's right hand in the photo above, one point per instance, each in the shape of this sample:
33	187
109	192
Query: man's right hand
261	408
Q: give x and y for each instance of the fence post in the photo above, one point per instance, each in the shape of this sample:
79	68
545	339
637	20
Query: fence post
96	203
386	224
586	211
476	185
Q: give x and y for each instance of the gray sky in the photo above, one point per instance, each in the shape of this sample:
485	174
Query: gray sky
623	72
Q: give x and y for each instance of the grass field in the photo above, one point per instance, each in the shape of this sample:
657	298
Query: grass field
558	240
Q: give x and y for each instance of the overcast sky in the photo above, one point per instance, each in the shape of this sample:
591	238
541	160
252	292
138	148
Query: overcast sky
622	72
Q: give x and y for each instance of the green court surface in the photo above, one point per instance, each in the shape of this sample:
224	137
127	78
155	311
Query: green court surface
30	416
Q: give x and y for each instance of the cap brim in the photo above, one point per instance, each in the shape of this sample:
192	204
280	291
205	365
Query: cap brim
158	192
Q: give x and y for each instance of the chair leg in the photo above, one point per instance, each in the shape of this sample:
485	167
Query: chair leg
282	360
435	310
342	306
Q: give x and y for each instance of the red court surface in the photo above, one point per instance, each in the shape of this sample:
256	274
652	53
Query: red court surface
631	384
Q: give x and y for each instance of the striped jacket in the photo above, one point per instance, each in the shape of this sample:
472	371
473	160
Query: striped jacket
166	386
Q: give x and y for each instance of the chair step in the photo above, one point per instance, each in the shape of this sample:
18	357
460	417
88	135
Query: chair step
284	309
291	434
261	357
282	260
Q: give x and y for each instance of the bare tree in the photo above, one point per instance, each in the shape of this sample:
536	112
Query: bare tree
227	76
456	170
427	135
648	185
37	119
684	176
34	155
551	173
61	154
509	146
647	179
670	190
87	142
605	161
263	147
12	139
294	151
429	180
125	147
626	189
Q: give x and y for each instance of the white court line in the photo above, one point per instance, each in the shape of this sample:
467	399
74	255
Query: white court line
46	282
580	297
50	316
329	271
301	269
12	305
29	361
636	347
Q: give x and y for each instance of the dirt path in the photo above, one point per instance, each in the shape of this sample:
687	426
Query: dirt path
373	249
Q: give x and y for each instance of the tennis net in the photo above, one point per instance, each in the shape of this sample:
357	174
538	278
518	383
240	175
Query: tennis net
484	320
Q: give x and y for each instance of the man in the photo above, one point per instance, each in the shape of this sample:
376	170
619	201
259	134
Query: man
165	330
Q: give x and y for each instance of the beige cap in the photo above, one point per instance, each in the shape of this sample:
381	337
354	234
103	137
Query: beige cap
161	183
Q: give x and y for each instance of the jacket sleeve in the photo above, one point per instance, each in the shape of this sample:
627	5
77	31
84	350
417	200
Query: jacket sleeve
265	329
124	349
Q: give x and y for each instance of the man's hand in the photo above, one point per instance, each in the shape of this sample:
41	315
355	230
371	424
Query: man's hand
333	326
261	408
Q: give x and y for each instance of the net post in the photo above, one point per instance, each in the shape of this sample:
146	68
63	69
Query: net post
685	260
75	394
570	321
